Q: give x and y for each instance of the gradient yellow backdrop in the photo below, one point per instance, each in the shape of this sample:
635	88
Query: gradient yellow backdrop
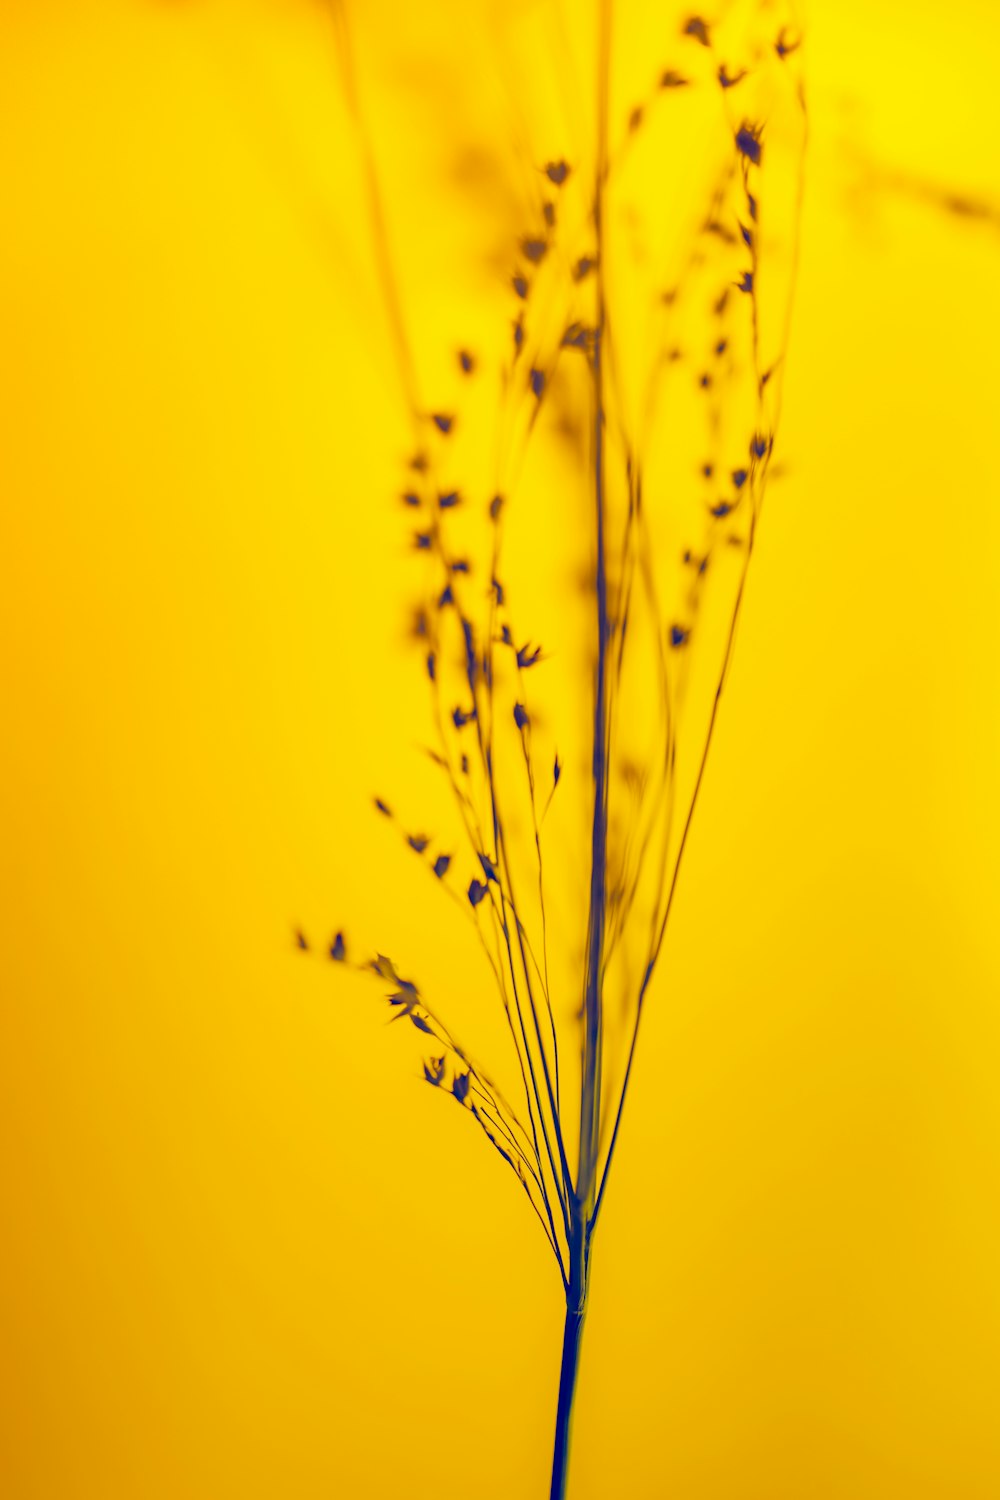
243	1252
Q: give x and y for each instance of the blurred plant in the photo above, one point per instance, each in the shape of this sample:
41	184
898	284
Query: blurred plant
665	585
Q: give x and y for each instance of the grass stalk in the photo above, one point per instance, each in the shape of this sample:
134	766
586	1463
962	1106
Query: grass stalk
576	1312
477	665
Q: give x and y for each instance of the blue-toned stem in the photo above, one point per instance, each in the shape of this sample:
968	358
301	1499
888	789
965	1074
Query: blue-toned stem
576	1309
590	1100
689	819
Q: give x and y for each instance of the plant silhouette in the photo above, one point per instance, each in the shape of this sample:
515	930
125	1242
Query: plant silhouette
581	854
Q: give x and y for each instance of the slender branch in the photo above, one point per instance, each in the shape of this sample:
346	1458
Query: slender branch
590	1103
676	871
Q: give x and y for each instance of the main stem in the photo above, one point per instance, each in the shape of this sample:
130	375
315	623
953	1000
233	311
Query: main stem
590	1092
582	1197
576	1310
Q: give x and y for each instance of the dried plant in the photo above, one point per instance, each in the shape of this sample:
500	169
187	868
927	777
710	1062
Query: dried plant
571	916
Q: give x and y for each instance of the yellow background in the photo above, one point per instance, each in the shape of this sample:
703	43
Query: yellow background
243	1253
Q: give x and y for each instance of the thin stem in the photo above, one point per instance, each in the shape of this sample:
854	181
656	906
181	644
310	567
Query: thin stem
590	1103
556	1124
377	219
730	642
576	1309
543	973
